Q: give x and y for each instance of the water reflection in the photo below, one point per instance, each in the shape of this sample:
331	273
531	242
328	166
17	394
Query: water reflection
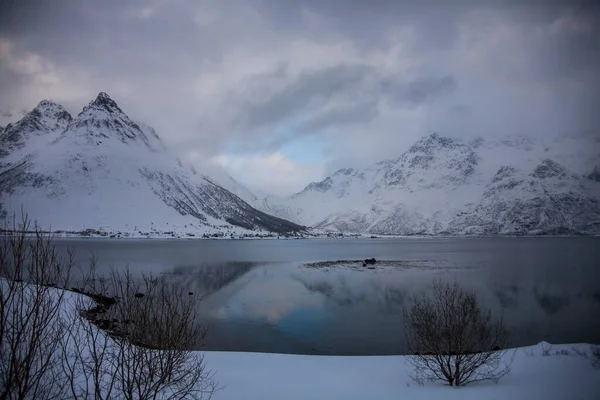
340	292
551	303
393	299
507	295
545	289
205	279
350	311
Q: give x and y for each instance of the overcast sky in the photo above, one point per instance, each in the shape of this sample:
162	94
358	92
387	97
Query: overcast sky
282	92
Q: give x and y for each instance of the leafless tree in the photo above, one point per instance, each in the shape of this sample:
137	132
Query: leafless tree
144	347
453	339
55	344
30	312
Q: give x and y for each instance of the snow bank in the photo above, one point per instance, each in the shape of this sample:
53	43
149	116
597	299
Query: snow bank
283	376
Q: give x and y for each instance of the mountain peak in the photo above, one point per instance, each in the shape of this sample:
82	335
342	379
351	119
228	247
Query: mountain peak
102	118
104	101
435	137
47	117
549	169
49	110
432	141
344	171
48	104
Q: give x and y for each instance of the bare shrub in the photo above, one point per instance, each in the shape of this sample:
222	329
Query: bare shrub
528	351
546	349
453	339
30	313
595	358
143	350
137	348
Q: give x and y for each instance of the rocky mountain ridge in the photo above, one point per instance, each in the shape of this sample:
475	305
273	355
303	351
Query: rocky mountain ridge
101	170
446	186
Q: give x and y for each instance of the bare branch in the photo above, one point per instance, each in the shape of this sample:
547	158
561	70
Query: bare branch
30	312
453	339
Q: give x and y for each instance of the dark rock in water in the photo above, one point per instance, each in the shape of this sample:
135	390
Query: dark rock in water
190	293
364	264
139	295
370	261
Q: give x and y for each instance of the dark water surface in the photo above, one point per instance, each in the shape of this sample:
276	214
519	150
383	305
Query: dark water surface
258	296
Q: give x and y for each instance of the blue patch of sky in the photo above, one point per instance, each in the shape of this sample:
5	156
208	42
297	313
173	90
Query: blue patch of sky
305	148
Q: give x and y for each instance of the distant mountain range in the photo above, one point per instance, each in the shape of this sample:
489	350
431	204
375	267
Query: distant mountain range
445	186
100	170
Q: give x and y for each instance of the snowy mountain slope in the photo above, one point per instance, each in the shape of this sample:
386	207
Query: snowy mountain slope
10	117
235	187
440	185
595	174
105	171
47	120
550	199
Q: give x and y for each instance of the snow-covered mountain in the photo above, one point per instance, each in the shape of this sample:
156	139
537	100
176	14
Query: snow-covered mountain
445	186
47	119
103	171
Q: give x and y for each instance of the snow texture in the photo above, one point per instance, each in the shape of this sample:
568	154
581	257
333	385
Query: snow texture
105	172
445	186
102	171
283	376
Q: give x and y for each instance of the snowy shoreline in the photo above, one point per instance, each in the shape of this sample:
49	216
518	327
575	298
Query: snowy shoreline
272	236
541	371
562	374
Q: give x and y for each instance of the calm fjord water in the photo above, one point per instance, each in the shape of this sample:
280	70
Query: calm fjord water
257	295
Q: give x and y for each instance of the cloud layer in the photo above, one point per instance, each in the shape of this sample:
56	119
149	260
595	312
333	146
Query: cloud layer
242	81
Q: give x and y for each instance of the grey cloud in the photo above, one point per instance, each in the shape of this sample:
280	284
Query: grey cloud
362	21
421	90
474	67
360	113
10	82
309	90
460	110
106	36
352	93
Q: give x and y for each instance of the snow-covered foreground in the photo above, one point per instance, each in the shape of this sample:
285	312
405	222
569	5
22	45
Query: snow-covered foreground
284	376
538	372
